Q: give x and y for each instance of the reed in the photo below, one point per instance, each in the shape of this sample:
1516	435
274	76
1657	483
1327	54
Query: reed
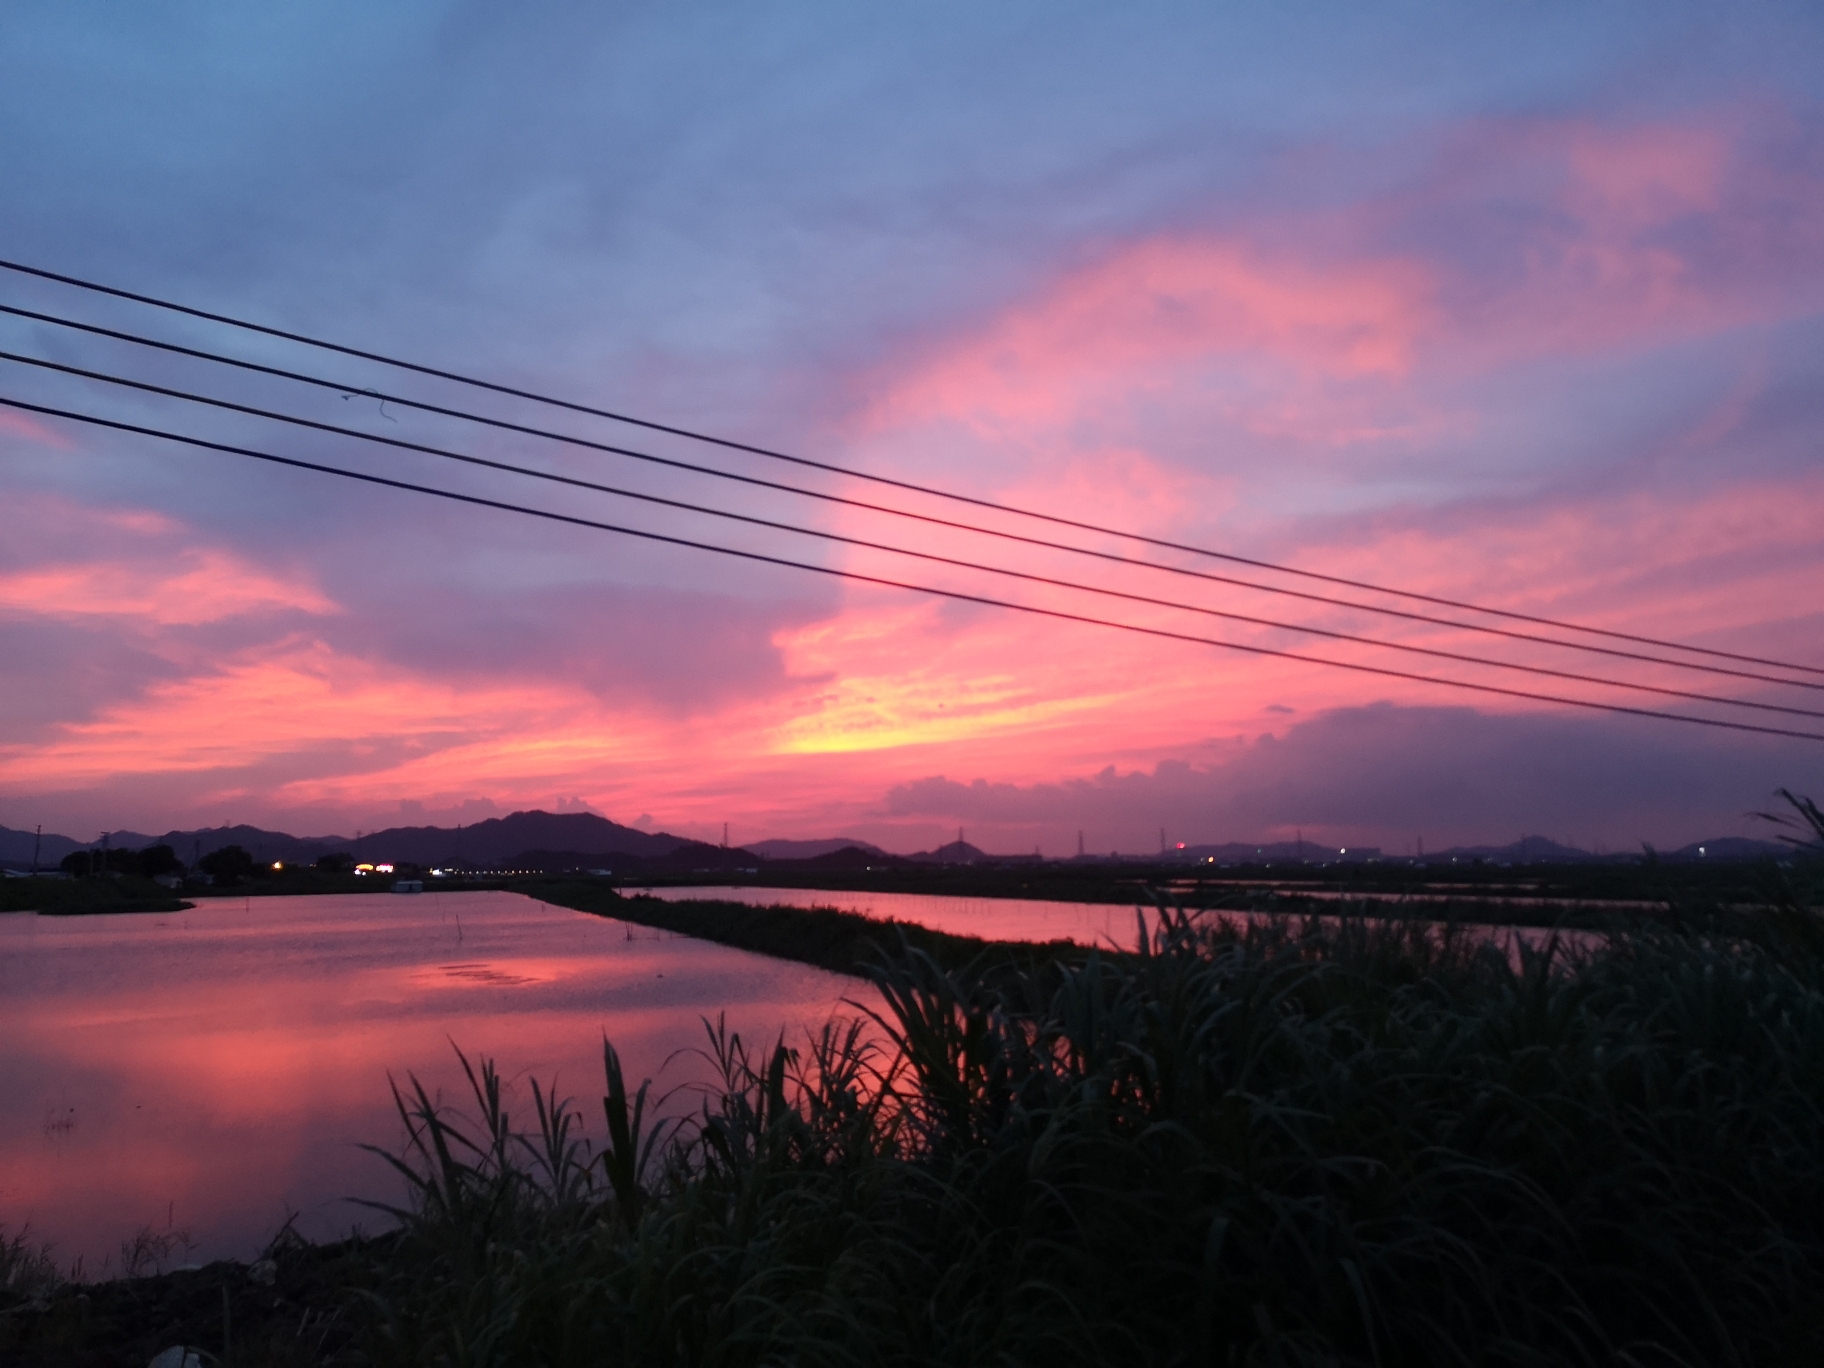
27	1268
1296	1143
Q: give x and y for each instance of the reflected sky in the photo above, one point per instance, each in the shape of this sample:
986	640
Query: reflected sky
212	1071
1000	919
1103	925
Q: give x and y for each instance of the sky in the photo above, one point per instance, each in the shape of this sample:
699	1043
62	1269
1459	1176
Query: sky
1515	305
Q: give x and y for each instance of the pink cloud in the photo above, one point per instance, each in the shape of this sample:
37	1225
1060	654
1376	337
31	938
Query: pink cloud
1232	385
1333	329
17	424
194	586
1639	236
1642	177
75	560
888	689
1134	320
1645	560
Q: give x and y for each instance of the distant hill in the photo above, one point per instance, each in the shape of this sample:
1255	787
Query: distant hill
582	840
809	850
500	839
1732	848
851	857
846	856
1526	850
16	848
485	844
690	857
1256	852
956	853
265	846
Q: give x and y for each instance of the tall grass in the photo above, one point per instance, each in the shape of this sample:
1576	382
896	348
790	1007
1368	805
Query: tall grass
1285	1144
27	1269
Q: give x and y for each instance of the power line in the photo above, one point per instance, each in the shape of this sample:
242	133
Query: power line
952	561
856	576
773	454
347	391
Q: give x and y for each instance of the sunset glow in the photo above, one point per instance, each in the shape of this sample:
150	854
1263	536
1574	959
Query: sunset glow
1550	349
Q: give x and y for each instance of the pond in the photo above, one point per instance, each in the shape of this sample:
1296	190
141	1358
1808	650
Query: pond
198	1077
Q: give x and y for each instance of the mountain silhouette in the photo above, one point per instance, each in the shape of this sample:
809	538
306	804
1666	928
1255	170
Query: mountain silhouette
502	838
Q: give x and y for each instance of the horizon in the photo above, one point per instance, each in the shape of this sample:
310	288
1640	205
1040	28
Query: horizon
1767	836
1518	310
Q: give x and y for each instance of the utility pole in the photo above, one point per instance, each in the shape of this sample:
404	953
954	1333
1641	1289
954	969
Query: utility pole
725	835
1079	843
37	840
1162	840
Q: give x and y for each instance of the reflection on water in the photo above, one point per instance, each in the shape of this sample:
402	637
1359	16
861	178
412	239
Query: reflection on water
213	1070
1005	919
1032	919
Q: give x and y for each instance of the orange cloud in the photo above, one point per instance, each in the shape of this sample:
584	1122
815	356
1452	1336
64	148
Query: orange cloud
891	689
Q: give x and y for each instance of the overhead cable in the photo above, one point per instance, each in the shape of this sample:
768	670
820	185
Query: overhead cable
840	538
402	401
853	473
933	590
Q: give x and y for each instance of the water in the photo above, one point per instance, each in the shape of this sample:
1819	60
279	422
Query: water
1005	919
211	1072
1033	919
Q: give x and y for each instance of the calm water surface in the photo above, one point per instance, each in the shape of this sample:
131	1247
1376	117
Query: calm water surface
1032	919
1010	919
212	1071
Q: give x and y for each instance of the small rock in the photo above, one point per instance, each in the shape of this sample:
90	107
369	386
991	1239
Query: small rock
265	1272
177	1356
